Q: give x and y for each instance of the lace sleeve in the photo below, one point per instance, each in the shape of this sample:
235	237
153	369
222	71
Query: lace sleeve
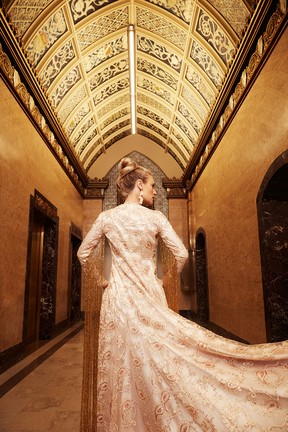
91	240
173	242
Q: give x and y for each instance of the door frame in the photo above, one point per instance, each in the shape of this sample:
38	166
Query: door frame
39	204
278	163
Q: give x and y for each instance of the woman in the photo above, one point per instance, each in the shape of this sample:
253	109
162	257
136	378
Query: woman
156	370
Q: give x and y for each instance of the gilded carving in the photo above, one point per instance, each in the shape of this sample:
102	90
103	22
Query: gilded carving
235	12
58	62
176	87
80	9
160	52
24	12
47	35
93	147
23	93
65	86
36	115
253	63
158	106
76	97
114	117
6	65
272	27
77	118
176	192
206	63
215	36
157	72
180	8
198	82
181	140
152	127
238	92
82	131
46	131
194	102
189	117
45	206
155	89
153	116
246	75
105	52
116	128
162	26
185	130
110	90
87	141
116	103
174	155
109	72
107	145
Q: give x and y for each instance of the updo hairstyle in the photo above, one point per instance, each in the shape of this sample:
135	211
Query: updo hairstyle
129	173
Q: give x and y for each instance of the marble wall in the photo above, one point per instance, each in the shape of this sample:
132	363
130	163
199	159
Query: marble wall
224	200
26	164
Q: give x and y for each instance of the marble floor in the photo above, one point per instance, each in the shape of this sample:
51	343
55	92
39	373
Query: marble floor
42	393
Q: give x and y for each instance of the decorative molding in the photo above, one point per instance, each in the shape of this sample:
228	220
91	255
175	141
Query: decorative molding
45	206
96	189
176	193
266	41
27	102
23	83
175	188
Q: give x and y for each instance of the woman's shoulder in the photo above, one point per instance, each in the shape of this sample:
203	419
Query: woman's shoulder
155	216
132	209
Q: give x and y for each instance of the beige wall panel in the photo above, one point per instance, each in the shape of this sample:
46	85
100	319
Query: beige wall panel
224	200
91	210
178	219
27	164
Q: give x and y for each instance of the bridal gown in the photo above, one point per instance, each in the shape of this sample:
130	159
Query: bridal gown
158	371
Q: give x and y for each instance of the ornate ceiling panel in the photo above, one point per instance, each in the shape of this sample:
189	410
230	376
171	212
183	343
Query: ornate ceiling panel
79	51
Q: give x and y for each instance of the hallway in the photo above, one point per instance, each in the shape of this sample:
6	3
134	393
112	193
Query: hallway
43	392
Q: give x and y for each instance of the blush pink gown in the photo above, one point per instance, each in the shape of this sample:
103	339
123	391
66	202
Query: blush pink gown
159	372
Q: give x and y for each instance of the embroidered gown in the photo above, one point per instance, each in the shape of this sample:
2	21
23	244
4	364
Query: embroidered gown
157	371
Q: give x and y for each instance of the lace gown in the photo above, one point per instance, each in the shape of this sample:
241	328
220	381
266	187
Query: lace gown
158	371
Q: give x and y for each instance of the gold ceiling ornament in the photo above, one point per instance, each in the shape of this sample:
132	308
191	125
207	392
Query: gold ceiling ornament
73	58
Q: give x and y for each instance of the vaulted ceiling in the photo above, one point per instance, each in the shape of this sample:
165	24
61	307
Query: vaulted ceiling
79	52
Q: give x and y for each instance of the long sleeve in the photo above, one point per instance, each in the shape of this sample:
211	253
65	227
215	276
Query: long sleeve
173	242
91	240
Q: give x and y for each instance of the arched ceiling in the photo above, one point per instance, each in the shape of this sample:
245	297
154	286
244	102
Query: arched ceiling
79	51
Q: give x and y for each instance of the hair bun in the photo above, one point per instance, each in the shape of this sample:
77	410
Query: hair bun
125	162
129	173
127	165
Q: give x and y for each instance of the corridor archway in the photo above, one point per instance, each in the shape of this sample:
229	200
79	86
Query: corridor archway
272	203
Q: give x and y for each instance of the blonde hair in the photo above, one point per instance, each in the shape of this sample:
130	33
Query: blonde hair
129	173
